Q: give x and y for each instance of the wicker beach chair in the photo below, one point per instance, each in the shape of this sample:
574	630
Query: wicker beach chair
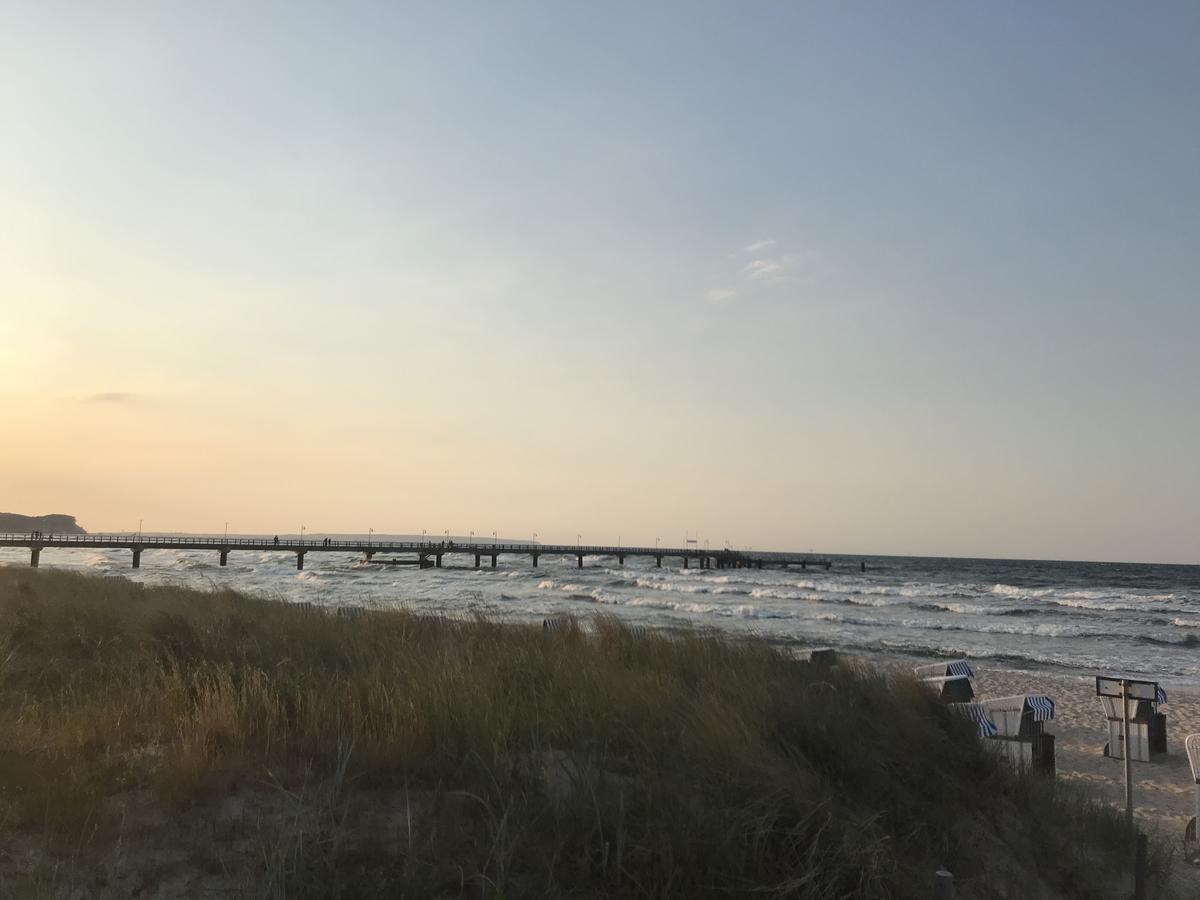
1147	724
1021	732
978	714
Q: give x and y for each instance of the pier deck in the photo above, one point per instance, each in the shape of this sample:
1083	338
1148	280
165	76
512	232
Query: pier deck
426	554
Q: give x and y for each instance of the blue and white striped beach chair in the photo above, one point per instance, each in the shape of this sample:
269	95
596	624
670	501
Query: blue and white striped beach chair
1147	726
1020	725
977	714
955	668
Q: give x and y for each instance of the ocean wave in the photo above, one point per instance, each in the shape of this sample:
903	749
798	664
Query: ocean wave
1008	590
549	584
1182	640
782	594
841	619
944	652
1041	629
739	611
875	600
1104	601
655	584
921	589
969	609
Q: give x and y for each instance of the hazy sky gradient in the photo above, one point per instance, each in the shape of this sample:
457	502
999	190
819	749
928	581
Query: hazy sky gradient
899	279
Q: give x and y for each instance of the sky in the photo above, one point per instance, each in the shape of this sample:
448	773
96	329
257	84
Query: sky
903	279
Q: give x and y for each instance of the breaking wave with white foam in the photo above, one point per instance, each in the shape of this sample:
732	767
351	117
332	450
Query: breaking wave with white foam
1076	615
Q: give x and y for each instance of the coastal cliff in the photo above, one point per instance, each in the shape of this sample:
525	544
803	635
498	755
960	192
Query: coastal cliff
14	523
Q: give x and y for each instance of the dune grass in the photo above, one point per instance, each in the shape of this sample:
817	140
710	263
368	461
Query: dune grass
407	756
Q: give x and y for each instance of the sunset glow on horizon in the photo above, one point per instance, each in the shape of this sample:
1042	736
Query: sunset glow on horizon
909	280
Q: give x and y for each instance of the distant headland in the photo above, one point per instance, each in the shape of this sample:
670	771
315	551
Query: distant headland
14	523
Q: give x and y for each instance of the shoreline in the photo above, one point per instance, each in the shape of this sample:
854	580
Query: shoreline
1049	618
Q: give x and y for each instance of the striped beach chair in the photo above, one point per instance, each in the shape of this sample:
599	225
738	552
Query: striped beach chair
1020	724
979	715
1191	744
956	668
1041	706
952	680
1147	725
951	688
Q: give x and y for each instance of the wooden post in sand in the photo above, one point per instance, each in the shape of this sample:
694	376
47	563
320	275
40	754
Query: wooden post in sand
1139	869
1128	760
1122	690
943	885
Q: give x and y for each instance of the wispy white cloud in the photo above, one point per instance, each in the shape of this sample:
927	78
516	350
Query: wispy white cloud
760	246
767	269
763	271
111	398
720	295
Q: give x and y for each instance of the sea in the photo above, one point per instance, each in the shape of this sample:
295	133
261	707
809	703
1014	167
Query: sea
1079	617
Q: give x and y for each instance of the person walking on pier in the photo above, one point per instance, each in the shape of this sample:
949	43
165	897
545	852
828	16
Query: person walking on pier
276	540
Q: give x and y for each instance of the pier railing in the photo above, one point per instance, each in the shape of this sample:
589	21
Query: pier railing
425	550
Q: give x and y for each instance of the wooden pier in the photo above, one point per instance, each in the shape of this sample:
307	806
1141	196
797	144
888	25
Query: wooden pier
425	554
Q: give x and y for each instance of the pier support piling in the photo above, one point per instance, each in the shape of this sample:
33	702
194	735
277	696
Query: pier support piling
429	554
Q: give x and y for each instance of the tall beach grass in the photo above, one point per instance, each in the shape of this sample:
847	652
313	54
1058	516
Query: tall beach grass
288	753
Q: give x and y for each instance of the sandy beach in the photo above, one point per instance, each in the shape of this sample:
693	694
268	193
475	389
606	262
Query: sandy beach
1164	798
1163	789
